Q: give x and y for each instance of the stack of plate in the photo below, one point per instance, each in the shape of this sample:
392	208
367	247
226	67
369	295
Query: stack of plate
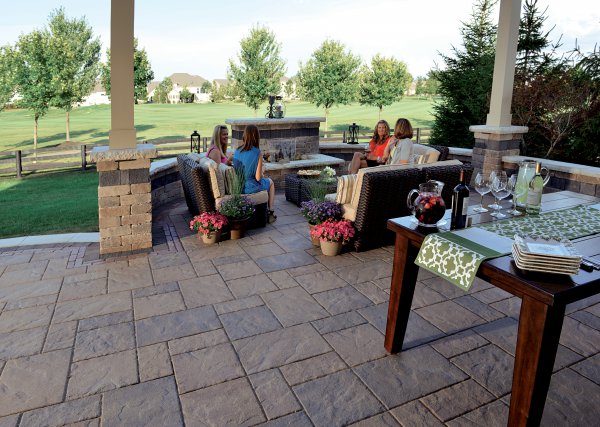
545	254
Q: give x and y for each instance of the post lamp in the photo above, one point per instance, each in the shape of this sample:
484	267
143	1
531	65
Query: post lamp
275	111
353	134
195	142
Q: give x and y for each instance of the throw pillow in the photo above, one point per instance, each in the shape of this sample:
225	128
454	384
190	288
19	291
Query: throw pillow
345	188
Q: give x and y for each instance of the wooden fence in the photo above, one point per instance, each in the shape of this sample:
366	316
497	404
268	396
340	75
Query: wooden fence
17	162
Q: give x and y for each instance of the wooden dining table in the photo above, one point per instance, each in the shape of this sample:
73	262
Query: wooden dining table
544	298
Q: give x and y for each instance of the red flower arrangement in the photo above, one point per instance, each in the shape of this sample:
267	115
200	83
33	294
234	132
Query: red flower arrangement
333	230
208	222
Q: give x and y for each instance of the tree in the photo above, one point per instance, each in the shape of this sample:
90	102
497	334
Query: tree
260	67
206	87
142	72
420	85
74	61
432	85
186	96
161	93
465	84
7	75
531	57
33	76
329	77
289	88
384	83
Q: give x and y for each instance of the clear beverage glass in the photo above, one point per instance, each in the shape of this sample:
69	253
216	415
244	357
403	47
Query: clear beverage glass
516	191
494	206
482	186
499	191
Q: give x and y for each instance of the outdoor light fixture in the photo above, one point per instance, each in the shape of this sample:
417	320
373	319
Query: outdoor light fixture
195	142
275	110
353	134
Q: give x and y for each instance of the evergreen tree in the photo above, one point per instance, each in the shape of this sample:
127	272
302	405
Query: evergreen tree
465	84
531	56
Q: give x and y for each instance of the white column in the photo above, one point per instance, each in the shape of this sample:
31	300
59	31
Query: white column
504	66
122	133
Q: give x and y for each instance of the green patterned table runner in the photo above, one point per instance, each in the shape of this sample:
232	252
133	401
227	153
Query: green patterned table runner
457	259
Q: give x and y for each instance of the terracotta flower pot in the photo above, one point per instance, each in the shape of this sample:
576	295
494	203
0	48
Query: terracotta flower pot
331	248
314	240
237	228
211	238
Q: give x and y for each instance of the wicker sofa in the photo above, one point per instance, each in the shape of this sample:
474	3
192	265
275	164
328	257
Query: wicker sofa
205	186
377	194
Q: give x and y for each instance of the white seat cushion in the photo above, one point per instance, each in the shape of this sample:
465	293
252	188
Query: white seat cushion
257	198
431	154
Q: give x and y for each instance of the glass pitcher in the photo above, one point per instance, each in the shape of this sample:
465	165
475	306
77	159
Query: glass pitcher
428	206
526	173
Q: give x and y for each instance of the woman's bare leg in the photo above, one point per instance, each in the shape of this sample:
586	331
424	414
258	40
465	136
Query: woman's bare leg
271	194
358	162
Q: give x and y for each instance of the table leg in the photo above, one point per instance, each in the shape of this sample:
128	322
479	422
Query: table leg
537	342
404	279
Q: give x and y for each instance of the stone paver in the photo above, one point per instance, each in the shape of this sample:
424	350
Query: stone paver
248	322
33	381
285	346
410	375
263	331
102	374
151	403
230	403
294	306
206	367
176	325
72	411
274	394
337	399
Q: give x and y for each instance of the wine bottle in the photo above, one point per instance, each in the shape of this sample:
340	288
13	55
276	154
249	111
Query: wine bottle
534	193
460	204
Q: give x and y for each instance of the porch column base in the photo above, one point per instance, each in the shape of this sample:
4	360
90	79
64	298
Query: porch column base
124	198
492	143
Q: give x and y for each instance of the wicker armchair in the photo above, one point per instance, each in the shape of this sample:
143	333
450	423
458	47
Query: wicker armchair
383	196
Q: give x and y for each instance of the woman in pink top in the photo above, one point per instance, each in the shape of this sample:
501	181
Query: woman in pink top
218	145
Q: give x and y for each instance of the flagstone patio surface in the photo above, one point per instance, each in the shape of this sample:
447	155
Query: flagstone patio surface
262	331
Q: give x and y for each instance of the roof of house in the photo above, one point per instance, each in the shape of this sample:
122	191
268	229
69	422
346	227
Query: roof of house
153	85
185	79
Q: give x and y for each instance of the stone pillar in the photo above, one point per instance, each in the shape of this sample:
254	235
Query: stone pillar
497	138
124	198
492	143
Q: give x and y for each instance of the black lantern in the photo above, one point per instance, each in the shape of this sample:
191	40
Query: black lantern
195	142
353	134
275	110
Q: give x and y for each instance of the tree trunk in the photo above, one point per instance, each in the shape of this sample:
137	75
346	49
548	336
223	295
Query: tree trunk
255	112
326	119
380	109
68	126
35	135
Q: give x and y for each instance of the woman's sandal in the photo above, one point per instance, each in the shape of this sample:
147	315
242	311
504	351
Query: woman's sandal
271	218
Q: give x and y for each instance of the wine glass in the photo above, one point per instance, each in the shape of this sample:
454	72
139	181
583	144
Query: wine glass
516	192
482	186
493	206
498	186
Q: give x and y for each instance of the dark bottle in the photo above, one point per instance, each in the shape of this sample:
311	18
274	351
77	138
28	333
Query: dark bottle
460	204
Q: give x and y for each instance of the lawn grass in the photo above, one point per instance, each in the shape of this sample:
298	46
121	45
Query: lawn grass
60	202
90	125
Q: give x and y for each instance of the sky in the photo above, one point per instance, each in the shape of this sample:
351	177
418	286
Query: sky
199	37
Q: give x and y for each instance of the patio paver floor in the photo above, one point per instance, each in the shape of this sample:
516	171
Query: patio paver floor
263	330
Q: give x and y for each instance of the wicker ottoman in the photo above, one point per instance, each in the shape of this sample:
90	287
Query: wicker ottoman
297	188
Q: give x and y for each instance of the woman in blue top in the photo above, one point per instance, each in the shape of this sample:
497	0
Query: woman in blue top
249	158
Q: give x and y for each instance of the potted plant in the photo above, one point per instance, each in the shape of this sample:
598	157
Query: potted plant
332	234
238	209
209	225
317	212
328	174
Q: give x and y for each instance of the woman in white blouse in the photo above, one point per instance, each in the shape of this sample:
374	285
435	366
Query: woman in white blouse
399	150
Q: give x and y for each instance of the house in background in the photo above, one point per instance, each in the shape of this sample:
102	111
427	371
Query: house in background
98	96
181	81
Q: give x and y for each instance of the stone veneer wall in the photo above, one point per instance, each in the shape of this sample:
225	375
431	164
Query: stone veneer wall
165	182
124	198
301	131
